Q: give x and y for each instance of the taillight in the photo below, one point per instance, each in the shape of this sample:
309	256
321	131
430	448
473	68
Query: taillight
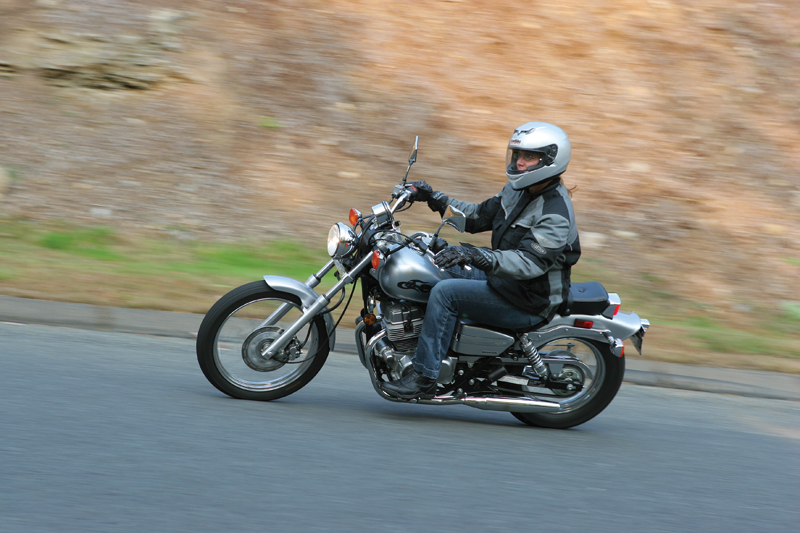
377	257
355	214
583	323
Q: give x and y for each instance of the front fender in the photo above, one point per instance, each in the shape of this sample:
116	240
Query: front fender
307	297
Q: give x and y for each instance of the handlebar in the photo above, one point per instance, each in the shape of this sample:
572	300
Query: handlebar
401	200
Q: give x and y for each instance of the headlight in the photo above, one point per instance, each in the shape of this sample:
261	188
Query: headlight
341	241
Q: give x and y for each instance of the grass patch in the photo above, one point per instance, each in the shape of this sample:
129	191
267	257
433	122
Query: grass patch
95	242
716	337
268	123
95	265
791	314
98	266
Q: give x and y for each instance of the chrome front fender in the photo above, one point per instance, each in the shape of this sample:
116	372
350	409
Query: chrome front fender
307	297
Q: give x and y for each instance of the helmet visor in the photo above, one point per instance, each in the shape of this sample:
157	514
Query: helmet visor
523	160
518	161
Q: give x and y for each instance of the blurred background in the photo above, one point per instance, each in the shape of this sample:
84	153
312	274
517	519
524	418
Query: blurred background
155	154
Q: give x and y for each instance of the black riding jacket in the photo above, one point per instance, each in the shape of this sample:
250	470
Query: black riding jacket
534	244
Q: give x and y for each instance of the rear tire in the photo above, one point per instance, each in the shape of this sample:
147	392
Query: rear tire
610	370
229	343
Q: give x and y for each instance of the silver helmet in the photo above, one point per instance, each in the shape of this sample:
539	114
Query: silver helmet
550	143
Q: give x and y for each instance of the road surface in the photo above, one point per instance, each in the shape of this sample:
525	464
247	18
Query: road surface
115	432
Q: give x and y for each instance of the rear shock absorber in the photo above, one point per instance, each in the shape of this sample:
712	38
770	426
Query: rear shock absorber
533	357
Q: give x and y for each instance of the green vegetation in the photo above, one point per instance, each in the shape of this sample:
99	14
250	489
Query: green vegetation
792	312
93	242
14	172
97	265
269	123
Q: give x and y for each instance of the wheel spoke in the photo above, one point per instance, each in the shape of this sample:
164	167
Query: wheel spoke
240	342
590	356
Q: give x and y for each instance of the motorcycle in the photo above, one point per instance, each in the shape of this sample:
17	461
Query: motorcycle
269	338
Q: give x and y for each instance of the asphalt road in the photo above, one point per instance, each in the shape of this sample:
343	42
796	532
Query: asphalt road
118	432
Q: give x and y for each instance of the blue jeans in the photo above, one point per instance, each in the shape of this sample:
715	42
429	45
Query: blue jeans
467	295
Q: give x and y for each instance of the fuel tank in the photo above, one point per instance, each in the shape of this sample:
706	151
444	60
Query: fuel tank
409	275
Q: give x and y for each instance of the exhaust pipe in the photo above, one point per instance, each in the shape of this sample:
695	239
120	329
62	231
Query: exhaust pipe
500	403
488	403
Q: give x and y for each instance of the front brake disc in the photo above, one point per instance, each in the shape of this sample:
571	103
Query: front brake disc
257	343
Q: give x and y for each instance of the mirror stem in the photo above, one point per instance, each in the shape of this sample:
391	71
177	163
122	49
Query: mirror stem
412	159
406	176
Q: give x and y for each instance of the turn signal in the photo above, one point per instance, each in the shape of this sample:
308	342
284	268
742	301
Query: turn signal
377	257
583	323
370	319
355	214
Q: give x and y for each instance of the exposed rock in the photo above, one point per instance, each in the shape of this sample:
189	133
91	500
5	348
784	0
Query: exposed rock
125	62
628	235
638	167
774	229
99	61
592	241
236	120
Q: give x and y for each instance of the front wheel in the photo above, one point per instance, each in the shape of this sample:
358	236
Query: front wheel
234	334
604	372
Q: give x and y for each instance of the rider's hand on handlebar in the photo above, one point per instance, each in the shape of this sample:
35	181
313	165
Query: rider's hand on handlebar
420	191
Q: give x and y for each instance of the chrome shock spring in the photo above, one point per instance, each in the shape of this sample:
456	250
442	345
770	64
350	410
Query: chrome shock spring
534	358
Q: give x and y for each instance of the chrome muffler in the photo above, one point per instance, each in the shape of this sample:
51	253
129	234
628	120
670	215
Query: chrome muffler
497	403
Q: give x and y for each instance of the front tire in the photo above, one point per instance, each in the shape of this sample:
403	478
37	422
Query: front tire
607	373
233	334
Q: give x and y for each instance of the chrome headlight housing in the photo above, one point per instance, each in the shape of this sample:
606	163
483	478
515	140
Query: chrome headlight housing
341	241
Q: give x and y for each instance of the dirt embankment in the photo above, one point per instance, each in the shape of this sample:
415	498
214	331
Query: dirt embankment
224	120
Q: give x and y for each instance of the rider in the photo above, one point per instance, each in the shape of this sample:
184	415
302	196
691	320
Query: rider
521	281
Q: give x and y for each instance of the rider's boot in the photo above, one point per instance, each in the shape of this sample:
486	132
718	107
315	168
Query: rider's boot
412	385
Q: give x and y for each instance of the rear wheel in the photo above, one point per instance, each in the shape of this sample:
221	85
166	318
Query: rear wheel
603	373
234	335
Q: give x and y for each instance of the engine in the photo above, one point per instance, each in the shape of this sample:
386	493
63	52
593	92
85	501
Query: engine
402	322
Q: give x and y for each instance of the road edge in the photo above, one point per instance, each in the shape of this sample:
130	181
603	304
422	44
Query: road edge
751	383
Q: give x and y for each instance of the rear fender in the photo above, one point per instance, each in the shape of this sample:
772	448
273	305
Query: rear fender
622	326
307	297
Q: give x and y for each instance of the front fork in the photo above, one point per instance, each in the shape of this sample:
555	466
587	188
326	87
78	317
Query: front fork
311	282
319	304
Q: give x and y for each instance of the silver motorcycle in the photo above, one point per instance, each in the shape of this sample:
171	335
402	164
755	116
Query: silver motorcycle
269	338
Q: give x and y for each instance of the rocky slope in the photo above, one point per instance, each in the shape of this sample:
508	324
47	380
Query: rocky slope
227	120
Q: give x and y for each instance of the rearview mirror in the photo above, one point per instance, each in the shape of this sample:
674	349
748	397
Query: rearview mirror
412	158
454	218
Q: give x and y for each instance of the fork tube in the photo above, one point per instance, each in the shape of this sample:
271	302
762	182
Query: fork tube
312	282
314	279
314	309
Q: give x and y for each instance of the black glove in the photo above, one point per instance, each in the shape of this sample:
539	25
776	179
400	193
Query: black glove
422	192
462	255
